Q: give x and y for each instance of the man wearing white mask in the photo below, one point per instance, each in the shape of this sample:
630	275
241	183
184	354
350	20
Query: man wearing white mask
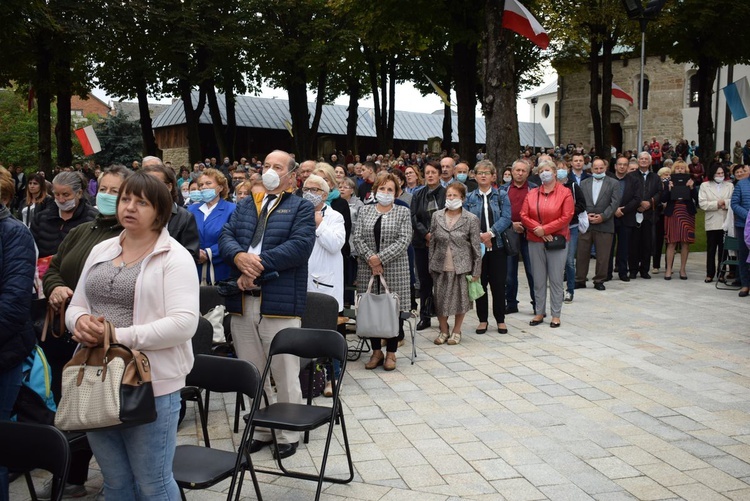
268	253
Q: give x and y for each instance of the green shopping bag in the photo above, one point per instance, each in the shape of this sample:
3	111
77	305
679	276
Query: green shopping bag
475	288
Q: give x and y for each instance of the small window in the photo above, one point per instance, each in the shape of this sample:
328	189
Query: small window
693	91
545	110
76	113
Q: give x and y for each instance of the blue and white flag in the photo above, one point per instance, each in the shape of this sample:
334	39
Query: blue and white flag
737	95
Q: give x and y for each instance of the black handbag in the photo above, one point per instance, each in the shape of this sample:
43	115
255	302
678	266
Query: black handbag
511	241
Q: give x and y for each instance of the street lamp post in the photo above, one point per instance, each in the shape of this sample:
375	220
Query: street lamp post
643	15
534	100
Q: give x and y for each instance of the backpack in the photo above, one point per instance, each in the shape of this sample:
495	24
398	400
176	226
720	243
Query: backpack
35	403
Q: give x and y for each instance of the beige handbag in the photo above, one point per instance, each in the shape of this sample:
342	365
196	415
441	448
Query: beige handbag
106	387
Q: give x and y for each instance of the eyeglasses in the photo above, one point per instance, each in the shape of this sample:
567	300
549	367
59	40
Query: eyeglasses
484	173
313	190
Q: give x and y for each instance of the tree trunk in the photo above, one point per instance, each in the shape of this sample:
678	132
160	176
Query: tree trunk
313	133
499	103
606	136
728	114
297	92
351	120
63	127
447	142
230	101
465	75
595	86
372	71
209	88
150	147
192	119
391	103
383	89
707	69
44	118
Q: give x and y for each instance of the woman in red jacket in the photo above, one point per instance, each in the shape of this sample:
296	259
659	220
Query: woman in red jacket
545	214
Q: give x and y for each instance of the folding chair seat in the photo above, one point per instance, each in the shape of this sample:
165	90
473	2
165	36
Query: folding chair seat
730	244
307	343
199	467
27	446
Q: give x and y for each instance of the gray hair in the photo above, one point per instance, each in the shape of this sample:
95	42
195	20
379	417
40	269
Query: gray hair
151	160
322	184
72	179
117	170
349	182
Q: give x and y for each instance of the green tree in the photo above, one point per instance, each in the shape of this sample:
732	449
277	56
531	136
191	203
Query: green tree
119	138
709	35
18	131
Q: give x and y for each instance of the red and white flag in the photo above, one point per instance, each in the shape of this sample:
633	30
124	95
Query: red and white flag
517	18
88	140
621	94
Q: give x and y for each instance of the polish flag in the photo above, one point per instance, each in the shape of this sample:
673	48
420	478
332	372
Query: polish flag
88	140
517	18
620	94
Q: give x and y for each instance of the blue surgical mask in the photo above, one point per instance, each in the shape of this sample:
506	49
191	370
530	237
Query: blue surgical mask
208	194
546	177
196	196
462	177
106	204
562	174
599	175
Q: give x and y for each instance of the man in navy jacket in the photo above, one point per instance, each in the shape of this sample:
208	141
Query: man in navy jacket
271	269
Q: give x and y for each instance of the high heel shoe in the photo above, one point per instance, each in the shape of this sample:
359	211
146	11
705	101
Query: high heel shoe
482	330
683	277
667	276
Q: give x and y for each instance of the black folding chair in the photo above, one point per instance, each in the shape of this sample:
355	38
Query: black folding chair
201	342
727	262
197	467
307	343
27	446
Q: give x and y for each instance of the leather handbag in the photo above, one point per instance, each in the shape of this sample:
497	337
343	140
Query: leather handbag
377	314
106	387
511	241
45	319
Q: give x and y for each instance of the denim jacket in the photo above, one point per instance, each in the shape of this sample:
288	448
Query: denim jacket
500	206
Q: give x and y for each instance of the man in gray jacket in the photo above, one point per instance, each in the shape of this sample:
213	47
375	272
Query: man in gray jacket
602	194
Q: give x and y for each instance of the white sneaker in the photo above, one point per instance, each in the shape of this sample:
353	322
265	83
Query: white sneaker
69	491
568	297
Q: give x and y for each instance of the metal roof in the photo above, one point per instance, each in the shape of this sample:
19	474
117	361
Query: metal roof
550	88
264	113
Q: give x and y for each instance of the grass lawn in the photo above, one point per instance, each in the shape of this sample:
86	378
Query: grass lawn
700	233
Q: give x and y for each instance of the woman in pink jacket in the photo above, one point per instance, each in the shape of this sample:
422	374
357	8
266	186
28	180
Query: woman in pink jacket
145	284
546	214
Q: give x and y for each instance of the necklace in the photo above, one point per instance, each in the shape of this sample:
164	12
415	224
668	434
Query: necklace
123	264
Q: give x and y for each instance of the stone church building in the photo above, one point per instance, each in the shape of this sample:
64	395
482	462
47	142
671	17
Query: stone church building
670	106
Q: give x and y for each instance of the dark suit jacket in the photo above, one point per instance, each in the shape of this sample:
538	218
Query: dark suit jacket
572	179
606	204
691	202
630	200
650	190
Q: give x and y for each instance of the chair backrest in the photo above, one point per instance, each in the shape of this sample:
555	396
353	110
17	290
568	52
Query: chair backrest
309	343
203	338
209	297
731	243
224	375
26	446
321	312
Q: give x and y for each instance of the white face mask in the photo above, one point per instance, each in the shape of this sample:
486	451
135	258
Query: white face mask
719	179
453	204
384	199
66	206
507	179
271	179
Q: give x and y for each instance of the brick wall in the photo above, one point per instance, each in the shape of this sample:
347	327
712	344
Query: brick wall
90	106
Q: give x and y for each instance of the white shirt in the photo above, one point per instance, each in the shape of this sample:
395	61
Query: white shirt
259	247
596	188
206	210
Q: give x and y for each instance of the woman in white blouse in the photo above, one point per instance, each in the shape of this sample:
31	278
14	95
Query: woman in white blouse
714	197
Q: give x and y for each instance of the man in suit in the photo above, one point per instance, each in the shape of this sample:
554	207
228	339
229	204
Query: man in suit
602	195
630	200
642	237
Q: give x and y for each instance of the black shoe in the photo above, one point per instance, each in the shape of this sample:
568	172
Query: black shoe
285	450
744	293
645	275
625	278
424	324
534	322
257	445
481	331
633	275
511	309
502	331
554	325
579	285
599	286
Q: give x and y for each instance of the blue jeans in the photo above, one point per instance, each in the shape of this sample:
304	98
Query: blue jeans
511	284
570	263
136	462
10	383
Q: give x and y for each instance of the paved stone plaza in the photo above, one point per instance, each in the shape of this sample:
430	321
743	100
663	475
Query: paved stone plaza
643	393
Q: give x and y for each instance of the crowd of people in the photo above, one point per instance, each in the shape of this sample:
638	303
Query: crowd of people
132	245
